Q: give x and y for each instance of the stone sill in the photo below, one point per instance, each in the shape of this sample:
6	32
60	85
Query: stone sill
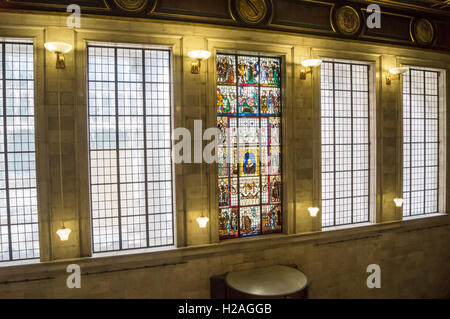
127	262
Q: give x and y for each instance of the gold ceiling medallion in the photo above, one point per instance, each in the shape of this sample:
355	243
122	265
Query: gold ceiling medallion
348	20
253	12
133	6
423	32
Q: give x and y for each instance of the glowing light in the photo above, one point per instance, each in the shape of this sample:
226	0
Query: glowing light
202	221
313	211
58	47
64	233
398	202
399	70
199	54
311	63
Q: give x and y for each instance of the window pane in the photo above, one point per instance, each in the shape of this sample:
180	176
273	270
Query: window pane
130	148
345	143
420	142
19	236
249	169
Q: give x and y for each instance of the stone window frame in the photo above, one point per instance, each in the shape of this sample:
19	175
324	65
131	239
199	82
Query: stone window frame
375	120
444	149
288	68
139	40
41	139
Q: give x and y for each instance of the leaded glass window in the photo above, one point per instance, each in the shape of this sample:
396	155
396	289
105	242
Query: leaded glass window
19	235
130	148
345	142
249	169
420	142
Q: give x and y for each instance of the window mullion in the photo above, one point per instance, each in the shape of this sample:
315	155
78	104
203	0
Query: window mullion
147	236
116	91
5	150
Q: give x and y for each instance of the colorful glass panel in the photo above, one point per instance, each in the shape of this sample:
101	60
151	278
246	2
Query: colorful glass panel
248	100
226	99
226	69
270	71
228	222
271	218
249	170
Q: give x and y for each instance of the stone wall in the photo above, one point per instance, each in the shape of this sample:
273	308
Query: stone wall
414	261
413	254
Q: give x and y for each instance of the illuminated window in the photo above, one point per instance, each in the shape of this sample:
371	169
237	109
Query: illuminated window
345	142
249	169
131	176
420	142
19	236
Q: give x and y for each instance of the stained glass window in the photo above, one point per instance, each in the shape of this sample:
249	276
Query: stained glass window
19	235
345	143
420	142
249	169
131	176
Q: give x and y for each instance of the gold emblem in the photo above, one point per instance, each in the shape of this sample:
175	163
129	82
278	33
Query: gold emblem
131	5
252	11
423	32
347	20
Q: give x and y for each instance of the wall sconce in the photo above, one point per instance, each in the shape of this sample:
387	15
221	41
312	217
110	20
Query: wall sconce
198	55
60	48
202	221
64	233
398	202
309	63
396	72
313	211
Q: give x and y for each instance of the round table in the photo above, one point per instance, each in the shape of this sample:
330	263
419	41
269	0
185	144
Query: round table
269	282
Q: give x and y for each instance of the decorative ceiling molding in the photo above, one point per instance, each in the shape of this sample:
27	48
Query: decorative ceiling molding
419	23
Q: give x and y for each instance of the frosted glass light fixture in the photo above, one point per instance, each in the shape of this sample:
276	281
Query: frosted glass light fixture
198	55
64	233
60	48
398	202
309	63
313	211
202	221
396	72
399	70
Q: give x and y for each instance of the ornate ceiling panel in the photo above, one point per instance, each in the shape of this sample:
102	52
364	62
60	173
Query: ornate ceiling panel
422	23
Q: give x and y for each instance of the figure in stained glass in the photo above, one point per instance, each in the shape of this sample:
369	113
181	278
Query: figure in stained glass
271	218
270	100
274	130
250	220
222	126
275	189
225	69
248	100
223	161
223	192
228	222
248	70
226	99
270	72
246	226
219	100
249	163
274	160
